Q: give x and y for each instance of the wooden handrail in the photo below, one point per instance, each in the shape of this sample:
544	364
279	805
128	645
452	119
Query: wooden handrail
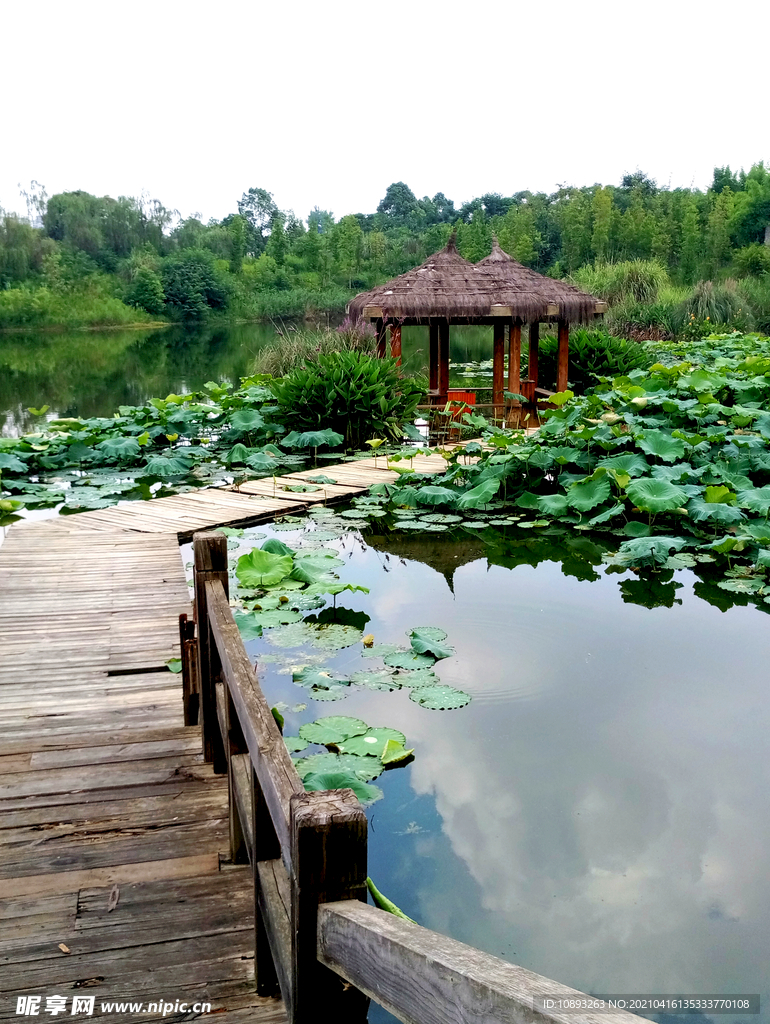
423	977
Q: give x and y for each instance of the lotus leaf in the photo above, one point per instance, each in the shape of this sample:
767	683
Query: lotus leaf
294	744
248	625
332	729
312	439
246	420
382	680
238	453
364	767
423	643
409	660
479	495
14	464
629	463
395	754
606	515
552	504
321	479
420	677
475	524
439	698
295	635
277	617
322	781
654	495
262	568
120	447
381	650
334	636
174	665
372	742
429	632
589	493
665	447
277	547
433	495
756	500
320	677
715	512
164	467
650	550
261	461
443	519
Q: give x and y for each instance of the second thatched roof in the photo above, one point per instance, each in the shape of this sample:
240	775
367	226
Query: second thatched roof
446	285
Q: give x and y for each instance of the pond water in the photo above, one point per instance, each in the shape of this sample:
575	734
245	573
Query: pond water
91	373
599	812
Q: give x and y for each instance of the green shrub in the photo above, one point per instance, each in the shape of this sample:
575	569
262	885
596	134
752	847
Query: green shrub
292	347
637	280
592	354
192	284
720	305
755	293
753	260
146	292
43	307
358	396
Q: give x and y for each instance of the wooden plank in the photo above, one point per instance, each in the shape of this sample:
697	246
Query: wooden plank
210	554
71	881
422	977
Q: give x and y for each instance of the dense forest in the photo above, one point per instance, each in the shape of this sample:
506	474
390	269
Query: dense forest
78	259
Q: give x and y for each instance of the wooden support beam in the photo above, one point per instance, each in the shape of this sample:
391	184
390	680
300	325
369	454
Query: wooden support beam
395	342
433	355
498	367
514	358
328	858
562	358
210	560
534	351
443	359
381	331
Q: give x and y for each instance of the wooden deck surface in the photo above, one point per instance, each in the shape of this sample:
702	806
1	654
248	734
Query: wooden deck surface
101	785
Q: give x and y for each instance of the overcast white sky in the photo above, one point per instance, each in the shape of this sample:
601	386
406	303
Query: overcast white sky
327	103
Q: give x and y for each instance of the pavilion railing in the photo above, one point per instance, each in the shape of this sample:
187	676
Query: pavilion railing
316	940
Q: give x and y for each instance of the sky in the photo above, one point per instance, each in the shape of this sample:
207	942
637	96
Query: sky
325	104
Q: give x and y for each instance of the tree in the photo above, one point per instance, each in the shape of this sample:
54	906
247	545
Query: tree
257	207
237	228
348	238
192	285
751	219
718	230
398	203
277	244
601	208
146	292
724	178
692	241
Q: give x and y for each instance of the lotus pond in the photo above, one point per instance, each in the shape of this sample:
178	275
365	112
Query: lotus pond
593	803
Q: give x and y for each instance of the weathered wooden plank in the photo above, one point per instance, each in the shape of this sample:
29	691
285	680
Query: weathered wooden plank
422	977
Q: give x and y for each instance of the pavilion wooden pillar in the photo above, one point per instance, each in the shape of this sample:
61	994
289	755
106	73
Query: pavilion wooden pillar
534	352
395	342
498	367
381	329
433	355
514	358
443	359
562	358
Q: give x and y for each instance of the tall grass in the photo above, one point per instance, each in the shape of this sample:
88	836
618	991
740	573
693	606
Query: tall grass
755	293
628	281
293	302
43	307
293	347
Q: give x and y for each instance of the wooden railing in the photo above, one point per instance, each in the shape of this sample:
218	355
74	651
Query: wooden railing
316	940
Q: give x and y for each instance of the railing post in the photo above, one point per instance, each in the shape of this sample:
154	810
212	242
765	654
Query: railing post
210	563
328	857
188	652
266	847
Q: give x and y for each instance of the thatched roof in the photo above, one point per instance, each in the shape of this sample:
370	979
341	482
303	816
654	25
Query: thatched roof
446	285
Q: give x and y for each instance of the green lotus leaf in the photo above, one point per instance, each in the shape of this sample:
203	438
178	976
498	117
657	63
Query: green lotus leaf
440	518
629	463
637	529
332	729
479	495
439	698
395	754
322	781
649	550
721	495
335	588
298	634
589	493
420	677
294	744
124	448
174	665
552	504
334	636
277	547
372	742
606	515
320	677
246	420
364	768
429	632
248	625
381	650
277	617
167	466
321	479
382	680
312	439
423	643
262	568
665	447
434	495
14	465
756	500
409	660
654	495
715	512
238	453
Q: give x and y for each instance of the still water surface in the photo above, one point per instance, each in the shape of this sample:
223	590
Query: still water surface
599	812
91	373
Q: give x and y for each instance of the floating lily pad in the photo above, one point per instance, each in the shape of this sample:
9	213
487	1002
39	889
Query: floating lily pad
439	698
382	680
334	637
295	635
332	729
381	650
322	781
395	753
287	584
324	535
428	633
364	767
288	527
475	524
329	693
319	677
423	643
438	518
422	677
277	617
305	602
294	744
371	743
409	660
248	625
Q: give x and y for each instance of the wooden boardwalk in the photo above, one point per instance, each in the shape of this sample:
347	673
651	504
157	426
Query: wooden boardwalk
104	795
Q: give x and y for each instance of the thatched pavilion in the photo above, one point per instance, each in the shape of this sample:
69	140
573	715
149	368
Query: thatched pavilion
448	289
